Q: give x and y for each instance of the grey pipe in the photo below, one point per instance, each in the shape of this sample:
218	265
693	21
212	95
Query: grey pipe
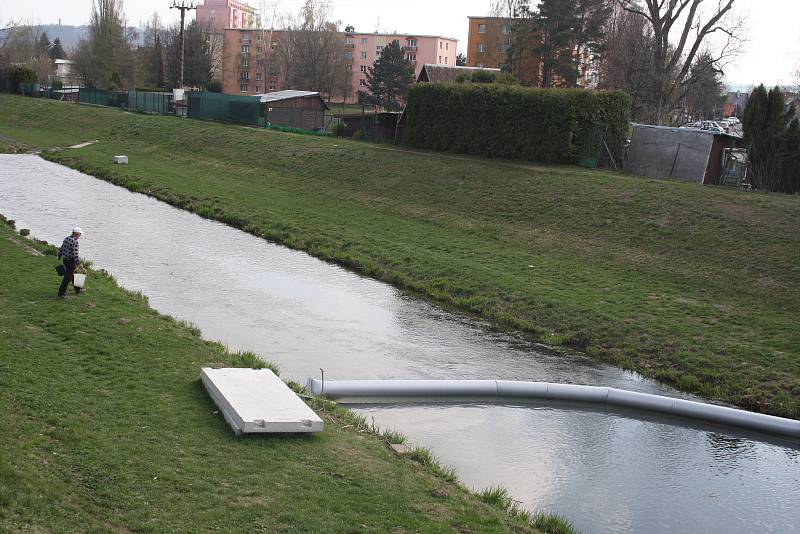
511	390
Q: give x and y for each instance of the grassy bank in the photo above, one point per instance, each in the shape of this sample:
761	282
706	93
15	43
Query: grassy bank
696	286
106	427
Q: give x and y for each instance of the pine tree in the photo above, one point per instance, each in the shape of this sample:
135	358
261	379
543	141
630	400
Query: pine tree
57	50
556	22
43	46
389	78
461	60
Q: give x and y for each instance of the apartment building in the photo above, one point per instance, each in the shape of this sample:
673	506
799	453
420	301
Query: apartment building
489	44
222	14
249	65
365	48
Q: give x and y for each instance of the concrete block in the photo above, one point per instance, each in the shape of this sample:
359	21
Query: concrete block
121	160
257	401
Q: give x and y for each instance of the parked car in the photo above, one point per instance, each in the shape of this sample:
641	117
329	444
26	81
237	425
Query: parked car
734	120
711	126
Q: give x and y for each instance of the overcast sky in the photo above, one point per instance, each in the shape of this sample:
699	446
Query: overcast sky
772	54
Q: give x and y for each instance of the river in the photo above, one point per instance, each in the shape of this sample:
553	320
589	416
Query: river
605	470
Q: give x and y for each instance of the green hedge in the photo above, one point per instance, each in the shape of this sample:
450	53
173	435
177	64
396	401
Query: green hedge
547	125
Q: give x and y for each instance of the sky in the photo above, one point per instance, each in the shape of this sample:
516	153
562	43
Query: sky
771	55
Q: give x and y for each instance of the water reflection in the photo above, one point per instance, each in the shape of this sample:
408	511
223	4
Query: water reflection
608	471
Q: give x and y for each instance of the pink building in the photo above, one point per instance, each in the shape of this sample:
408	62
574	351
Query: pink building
222	14
420	49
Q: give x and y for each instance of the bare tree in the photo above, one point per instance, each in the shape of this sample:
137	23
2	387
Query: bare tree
693	22
106	58
313	55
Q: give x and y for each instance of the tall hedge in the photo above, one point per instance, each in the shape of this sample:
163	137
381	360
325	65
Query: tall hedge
546	125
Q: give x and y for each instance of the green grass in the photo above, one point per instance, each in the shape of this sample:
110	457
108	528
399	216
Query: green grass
106	427
696	286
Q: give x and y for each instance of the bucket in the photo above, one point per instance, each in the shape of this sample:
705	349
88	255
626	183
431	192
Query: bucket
79	279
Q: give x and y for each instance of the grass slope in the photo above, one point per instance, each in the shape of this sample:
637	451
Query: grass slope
693	285
106	427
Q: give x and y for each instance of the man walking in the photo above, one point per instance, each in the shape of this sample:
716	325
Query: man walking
69	254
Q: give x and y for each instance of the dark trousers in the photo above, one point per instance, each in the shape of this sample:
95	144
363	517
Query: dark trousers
69	276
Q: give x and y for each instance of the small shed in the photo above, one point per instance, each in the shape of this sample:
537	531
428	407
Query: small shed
448	73
304	110
684	154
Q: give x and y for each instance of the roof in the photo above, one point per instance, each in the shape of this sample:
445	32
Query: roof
447	73
278	96
684	130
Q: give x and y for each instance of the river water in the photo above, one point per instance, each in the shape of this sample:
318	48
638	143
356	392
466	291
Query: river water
605	470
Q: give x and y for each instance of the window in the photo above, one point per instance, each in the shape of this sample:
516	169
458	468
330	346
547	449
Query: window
505	28
362	83
259	37
440	45
378	49
505	48
481	28
273	71
445	60
363	68
479	65
348	55
244	75
411	57
244	61
364	41
258	76
412	42
260	50
348	40
243	87
213	20
274	45
258	88
363	55
272	87
481	47
447	46
245	49
245	36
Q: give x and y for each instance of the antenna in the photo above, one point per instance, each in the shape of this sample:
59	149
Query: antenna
184	6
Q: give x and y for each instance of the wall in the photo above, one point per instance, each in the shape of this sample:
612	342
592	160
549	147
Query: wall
222	14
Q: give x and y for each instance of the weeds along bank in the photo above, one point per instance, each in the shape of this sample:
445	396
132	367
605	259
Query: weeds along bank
695	286
107	427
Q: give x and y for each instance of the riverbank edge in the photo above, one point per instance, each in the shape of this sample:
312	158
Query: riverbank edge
332	412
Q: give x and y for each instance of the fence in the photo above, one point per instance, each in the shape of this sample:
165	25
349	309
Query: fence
150	102
224	108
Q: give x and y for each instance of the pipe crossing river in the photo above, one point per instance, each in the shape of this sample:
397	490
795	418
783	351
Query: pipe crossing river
607	470
498	390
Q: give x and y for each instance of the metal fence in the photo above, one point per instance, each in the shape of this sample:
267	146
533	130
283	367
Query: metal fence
224	108
311	120
150	102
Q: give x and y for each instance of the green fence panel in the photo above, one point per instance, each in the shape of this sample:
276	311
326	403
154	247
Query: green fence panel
150	102
98	97
224	108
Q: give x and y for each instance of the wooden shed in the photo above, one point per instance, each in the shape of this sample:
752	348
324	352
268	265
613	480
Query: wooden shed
304	110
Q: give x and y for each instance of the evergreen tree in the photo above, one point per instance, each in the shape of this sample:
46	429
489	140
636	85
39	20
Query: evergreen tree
197	60
43	46
389	78
461	60
772	135
556	23
57	50
704	89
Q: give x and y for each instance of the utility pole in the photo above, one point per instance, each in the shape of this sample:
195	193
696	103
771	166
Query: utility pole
184	6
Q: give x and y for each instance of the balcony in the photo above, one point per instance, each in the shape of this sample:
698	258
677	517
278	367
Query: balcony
410	48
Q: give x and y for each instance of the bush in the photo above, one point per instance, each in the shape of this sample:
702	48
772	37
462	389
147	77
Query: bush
214	86
505	121
12	77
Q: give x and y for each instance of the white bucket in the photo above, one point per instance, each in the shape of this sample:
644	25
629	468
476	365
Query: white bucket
79	279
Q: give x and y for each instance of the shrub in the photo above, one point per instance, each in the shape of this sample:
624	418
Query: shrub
214	86
506	121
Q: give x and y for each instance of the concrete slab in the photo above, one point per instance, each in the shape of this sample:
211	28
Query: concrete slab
121	160
83	145
257	401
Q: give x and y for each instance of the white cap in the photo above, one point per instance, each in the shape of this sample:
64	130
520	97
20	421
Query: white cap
77	230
